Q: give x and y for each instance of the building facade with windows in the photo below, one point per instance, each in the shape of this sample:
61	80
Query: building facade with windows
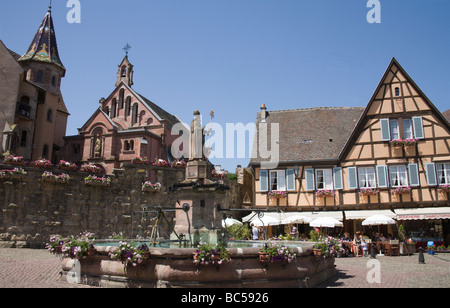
391	157
34	115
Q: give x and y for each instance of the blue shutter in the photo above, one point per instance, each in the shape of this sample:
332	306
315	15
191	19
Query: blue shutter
309	178
337	178
382	176
290	179
352	178
418	128
413	175
385	130
263	180
431	174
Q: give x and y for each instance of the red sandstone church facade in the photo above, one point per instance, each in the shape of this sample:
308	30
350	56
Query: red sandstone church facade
125	126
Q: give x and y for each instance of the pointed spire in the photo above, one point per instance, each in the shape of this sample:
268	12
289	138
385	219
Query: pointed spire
44	48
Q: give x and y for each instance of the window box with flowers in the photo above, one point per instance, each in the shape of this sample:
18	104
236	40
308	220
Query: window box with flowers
53	178
139	160
410	142
179	164
324	193
91	169
444	187
42	163
16	173
276	194
161	163
401	190
94	180
65	165
15	160
151	187
367	191
219	174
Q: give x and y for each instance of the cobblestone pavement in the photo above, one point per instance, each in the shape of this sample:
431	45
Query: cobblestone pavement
31	268
394	272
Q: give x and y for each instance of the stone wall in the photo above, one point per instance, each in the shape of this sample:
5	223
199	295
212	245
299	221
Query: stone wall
31	210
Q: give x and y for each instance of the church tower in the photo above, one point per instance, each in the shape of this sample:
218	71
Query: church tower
125	72
41	62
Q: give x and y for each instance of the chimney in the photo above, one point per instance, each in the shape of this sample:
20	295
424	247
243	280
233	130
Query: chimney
263	113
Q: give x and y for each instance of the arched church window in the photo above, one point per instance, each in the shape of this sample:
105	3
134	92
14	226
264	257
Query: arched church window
124	71
121	98
135	114
113	108
128	107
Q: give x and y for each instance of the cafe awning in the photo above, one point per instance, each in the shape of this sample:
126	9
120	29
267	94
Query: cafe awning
364	214
423	213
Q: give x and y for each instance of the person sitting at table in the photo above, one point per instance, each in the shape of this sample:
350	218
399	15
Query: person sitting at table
390	237
357	244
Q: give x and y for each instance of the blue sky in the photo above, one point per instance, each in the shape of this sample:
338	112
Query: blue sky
234	55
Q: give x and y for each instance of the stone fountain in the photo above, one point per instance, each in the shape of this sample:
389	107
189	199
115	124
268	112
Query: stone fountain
200	201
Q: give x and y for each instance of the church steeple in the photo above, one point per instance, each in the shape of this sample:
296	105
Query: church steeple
44	48
125	72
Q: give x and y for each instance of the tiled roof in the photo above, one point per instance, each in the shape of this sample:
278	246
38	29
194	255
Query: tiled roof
312	134
447	115
43	48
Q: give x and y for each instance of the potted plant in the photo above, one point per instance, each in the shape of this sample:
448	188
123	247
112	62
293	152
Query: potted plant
327	247
219	174
139	160
14	160
129	253
161	163
73	247
207	254
275	253
42	163
92	169
396	142
178	164
97	181
152	187
444	187
410	141
401	190
55	245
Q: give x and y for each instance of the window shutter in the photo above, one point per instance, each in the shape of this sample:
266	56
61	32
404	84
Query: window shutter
337	178
352	178
431	174
413	175
290	179
263	180
382	176
385	130
309	178
418	128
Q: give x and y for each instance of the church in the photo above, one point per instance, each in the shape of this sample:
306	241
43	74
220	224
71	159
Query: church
125	126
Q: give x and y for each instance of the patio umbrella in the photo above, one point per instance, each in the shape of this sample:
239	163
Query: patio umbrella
296	219
228	222
265	221
327	222
376	220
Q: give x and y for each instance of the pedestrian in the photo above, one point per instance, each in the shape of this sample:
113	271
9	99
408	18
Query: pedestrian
365	247
255	232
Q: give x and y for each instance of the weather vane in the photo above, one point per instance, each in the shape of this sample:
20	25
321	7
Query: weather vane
126	48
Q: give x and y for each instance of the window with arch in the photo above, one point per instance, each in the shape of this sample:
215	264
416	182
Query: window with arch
113	108
128	106
123	73
135	114
121	98
45	151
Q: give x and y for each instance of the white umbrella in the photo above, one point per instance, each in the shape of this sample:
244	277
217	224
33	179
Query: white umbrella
265	221
327	222
296	219
228	222
376	220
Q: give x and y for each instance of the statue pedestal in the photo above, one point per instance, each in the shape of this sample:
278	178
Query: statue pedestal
196	170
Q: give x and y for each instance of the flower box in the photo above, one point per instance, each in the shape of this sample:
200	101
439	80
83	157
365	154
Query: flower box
219	174
401	190
368	191
179	164
14	173
277	194
42	163
161	163
65	165
151	187
324	193
276	253
444	187
97	181
15	160
92	169
140	161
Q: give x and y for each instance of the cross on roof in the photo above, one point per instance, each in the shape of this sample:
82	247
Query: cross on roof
126	48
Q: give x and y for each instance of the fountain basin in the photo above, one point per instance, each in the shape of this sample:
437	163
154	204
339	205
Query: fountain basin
174	268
